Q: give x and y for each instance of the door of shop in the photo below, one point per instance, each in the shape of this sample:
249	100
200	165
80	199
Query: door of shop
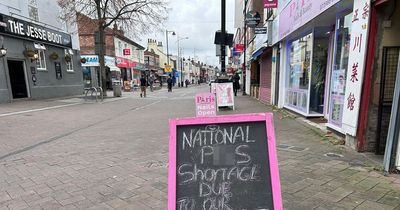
388	81
17	79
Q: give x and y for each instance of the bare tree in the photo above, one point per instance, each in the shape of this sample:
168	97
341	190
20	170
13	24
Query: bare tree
134	16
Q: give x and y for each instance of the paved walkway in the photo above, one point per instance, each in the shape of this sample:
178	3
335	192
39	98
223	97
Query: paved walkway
114	156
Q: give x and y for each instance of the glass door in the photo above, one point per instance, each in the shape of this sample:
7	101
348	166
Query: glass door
339	70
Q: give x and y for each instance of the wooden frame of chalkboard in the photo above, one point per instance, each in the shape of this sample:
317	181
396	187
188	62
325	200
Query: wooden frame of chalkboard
271	157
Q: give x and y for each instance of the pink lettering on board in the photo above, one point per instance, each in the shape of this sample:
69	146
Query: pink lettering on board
205	105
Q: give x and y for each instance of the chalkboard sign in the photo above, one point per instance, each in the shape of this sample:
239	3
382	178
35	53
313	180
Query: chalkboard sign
223	162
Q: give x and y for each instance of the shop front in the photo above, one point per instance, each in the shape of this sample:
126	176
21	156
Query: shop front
263	54
316	38
36	62
91	68
126	66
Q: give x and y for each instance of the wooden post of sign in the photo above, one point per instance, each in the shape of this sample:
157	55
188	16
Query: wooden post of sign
223	162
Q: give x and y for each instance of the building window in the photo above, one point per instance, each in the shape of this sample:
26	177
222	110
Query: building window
69	55
41	61
33	10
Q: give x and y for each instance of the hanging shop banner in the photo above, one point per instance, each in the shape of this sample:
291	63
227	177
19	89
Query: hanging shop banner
356	66
253	18
205	105
26	30
299	12
260	30
239	48
167	68
127	51
268	4
223	162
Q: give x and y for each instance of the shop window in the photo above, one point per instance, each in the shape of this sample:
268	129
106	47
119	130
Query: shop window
299	65
33	10
41	61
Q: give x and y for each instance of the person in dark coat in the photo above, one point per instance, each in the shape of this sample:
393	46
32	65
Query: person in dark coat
169	82
236	85
143	86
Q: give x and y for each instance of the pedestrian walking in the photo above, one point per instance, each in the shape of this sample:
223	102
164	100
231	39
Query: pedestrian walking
169	82
236	85
151	82
143	86
186	83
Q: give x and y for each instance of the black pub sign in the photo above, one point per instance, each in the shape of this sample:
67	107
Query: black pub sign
27	30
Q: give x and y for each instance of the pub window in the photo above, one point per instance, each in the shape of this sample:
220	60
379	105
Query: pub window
41	61
33	10
69	55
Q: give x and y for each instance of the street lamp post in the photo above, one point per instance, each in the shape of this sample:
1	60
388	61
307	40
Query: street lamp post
166	35
183	60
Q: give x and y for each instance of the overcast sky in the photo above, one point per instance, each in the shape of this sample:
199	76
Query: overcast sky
198	20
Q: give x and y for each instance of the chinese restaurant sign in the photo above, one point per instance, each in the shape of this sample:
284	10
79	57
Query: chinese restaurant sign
300	12
224	162
355	71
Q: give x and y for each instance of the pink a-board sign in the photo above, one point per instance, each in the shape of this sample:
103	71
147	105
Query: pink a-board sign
223	162
205	105
225	96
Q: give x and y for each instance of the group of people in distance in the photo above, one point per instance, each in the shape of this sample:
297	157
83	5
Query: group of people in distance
144	83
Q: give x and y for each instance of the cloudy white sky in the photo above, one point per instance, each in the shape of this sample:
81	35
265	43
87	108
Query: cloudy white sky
198	20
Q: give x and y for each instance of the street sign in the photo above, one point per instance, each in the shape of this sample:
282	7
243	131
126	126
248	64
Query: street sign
223	162
260	30
253	18
167	68
270	4
205	105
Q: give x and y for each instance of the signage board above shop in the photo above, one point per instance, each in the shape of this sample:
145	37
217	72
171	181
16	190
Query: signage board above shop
27	30
93	60
125	63
299	12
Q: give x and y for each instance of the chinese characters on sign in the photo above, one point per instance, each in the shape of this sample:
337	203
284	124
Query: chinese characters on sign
355	73
350	101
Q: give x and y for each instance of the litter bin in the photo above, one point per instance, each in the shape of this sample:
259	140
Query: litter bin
117	89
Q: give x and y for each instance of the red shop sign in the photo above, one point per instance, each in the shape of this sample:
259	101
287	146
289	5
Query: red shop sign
239	48
270	4
127	51
125	63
